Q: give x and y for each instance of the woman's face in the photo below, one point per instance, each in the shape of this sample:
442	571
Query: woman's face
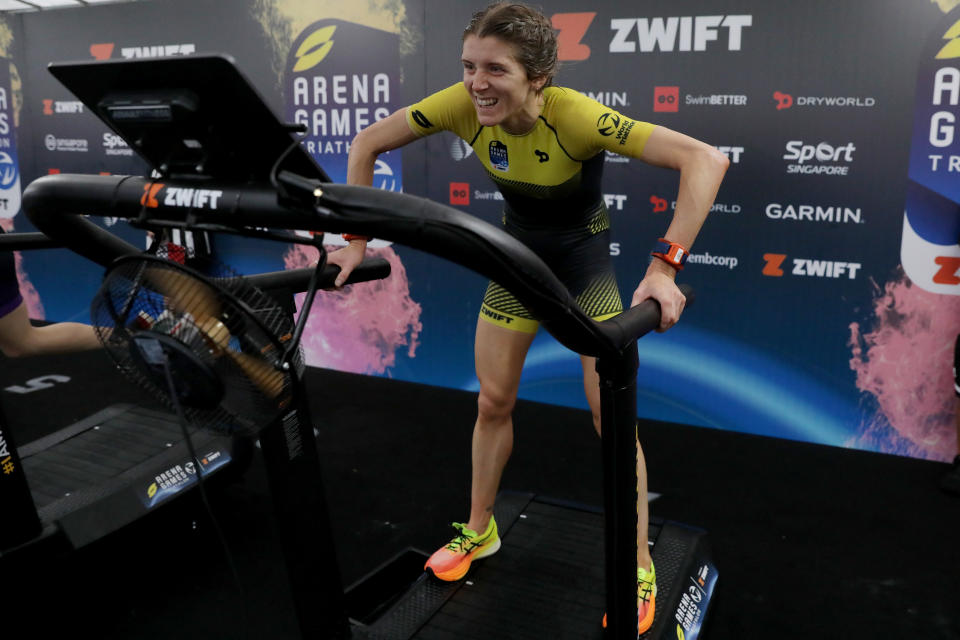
497	83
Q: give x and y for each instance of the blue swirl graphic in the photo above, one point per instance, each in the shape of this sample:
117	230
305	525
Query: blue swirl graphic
692	376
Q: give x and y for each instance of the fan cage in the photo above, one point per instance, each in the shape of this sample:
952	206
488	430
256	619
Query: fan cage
226	323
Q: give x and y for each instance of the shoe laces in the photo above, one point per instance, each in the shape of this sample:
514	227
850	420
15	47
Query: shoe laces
461	538
645	584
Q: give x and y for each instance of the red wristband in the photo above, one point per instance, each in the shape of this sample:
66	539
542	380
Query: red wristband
349	236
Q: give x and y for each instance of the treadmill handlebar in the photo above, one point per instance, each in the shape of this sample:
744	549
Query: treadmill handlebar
406	219
26	241
297	280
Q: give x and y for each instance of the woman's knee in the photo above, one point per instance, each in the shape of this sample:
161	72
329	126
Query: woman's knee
495	404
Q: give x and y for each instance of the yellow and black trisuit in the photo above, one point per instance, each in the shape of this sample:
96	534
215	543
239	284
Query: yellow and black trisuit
550	180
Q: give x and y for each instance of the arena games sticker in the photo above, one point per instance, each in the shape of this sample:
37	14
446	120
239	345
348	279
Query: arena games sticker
179	476
340	78
929	249
695	594
9	165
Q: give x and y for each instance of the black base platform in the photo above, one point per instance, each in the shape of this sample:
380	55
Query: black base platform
547	582
105	471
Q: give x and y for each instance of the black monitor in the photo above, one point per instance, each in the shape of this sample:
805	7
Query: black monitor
188	116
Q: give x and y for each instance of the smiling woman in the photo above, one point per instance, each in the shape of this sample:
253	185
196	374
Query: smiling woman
543	146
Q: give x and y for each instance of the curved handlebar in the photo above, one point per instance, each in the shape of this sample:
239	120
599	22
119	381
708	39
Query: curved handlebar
402	218
26	241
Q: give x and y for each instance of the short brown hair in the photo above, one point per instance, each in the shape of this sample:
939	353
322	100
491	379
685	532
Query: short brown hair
527	29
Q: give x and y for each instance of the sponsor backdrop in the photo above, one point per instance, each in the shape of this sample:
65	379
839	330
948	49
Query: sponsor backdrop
827	275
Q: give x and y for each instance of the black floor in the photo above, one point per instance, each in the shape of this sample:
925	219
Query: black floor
811	541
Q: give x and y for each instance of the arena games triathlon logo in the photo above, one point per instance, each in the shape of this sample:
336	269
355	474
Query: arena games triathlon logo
930	246
342	77
9	165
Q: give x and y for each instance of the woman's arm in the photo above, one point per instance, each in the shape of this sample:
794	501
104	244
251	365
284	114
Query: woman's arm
384	135
701	170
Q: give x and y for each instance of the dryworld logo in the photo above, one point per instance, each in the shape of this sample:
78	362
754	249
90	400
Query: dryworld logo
786	101
660	205
687	33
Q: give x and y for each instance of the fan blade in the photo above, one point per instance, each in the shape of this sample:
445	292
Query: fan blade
185	293
260	373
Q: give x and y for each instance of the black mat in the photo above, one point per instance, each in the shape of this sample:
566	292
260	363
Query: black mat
811	541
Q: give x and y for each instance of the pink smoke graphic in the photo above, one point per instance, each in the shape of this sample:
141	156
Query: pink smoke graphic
30	295
359	328
906	364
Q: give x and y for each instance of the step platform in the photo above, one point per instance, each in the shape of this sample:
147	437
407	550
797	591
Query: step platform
545	582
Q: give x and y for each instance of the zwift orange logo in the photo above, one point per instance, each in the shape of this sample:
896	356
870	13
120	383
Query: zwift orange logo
952	48
47	107
102	51
774	260
149	197
314	48
571	28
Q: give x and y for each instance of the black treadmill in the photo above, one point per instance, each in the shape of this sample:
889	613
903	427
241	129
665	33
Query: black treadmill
91	478
171	112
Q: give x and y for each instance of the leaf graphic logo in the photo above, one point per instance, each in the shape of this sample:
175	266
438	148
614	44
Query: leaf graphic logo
314	48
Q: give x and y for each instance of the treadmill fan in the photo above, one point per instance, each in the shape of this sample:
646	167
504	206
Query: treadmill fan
221	339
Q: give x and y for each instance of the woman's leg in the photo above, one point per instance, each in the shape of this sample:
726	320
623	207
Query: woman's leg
499	355
591	386
19	338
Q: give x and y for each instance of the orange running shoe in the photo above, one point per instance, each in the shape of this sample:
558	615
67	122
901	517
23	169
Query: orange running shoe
646	599
452	561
